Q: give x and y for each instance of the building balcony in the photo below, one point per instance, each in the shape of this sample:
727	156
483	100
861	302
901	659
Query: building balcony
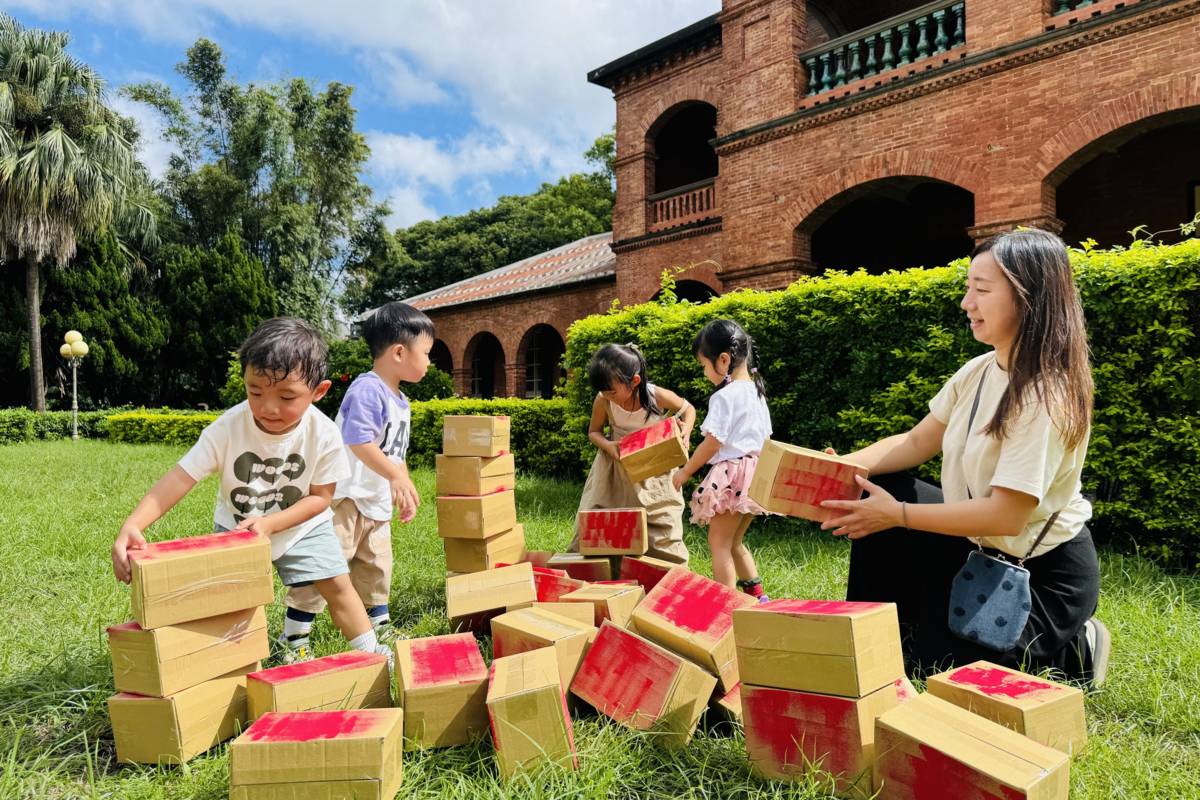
682	205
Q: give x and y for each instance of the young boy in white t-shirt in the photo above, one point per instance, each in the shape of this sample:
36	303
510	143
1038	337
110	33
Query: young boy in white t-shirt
279	459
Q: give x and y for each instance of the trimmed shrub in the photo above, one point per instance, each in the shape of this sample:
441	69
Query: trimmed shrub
23	425
158	427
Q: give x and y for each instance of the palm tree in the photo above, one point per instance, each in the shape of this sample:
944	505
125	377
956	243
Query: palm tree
67	167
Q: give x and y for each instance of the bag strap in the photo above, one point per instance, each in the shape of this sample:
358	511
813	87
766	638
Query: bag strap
971	421
1045	529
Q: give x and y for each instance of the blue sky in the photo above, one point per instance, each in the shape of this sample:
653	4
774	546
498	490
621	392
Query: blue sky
460	101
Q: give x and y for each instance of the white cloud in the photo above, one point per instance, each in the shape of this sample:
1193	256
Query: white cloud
399	84
408	206
153	150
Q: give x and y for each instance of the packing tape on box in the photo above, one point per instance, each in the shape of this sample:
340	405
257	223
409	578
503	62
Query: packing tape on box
210	583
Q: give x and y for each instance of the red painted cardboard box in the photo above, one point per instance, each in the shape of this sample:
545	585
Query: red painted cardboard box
827	646
183	580
612	532
341	681
476	555
646	570
551	586
478	517
528	713
475	435
693	616
729	704
795	481
572	611
441	683
319	755
654	450
530	628
790	733
609	601
928	748
471	600
582	568
643	686
1045	711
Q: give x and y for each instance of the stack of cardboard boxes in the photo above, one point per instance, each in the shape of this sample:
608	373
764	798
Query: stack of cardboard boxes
180	666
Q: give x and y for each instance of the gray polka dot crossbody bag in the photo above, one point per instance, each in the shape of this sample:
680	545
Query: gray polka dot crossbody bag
990	597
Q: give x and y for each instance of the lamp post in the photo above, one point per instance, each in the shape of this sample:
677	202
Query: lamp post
74	348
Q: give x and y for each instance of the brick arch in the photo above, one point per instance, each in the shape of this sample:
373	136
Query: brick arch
872	168
1063	152
703	92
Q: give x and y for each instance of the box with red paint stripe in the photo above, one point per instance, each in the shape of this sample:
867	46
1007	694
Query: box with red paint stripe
531	628
476	555
828	646
472	475
551	585
477	517
646	570
693	616
319	754
183	580
643	686
613	602
928	749
441	683
527	710
795	481
653	450
471	600
341	681
612	531
1045	711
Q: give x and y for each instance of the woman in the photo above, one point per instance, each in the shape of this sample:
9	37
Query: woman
1013	427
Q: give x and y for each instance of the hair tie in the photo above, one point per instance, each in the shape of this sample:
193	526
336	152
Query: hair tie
754	370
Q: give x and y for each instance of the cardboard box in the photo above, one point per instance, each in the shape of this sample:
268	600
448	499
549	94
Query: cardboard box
1045	711
537	558
199	577
729	704
612	532
551	586
646	570
476	555
582	568
572	611
441	683
172	658
654	450
477	517
693	616
795	481
475	435
471	600
790	733
473	475
528	713
320	755
827	646
609	602
930	748
342	681
177	728
643	686
531	628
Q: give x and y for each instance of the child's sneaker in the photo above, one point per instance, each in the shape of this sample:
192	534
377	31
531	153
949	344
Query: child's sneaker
293	650
390	652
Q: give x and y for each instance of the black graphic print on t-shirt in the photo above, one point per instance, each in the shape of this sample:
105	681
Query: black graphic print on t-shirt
252	469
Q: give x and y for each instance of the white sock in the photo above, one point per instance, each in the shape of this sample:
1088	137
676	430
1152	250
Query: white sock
367	642
1090	631
293	628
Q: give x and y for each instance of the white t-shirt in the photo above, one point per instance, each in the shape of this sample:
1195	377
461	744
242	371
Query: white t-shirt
262	473
1031	459
372	413
737	418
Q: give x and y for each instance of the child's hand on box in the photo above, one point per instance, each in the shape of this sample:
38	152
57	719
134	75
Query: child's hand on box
262	525
130	538
613	450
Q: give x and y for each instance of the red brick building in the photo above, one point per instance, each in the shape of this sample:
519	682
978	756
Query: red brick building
778	138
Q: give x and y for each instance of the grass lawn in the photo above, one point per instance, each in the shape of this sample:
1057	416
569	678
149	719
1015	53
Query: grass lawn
62	502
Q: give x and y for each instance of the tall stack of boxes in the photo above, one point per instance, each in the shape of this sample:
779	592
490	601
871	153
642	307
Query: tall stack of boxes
180	666
476	488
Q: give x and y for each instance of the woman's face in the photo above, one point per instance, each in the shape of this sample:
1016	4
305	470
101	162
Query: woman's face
990	303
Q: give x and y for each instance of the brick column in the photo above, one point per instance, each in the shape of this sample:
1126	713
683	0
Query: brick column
462	381
759	42
514	380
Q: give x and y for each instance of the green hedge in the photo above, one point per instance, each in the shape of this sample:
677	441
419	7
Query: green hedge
159	427
24	425
851	358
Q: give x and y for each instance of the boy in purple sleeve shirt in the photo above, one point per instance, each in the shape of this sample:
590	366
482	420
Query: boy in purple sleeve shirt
374	419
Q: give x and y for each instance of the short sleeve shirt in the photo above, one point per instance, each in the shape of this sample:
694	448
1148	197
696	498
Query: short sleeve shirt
739	419
372	413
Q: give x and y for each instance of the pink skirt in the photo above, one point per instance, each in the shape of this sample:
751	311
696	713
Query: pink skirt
724	490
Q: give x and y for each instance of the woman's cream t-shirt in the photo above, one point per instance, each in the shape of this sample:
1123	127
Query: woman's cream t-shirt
1032	458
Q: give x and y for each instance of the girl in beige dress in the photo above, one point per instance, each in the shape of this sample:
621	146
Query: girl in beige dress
625	402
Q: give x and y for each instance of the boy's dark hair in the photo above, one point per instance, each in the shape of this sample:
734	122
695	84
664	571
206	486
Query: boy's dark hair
618	363
394	323
283	345
726	336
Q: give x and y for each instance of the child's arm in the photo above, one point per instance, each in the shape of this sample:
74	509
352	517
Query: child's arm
596	429
670	401
706	450
404	492
169	490
317	500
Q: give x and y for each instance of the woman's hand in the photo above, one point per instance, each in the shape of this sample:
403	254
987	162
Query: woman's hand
878	511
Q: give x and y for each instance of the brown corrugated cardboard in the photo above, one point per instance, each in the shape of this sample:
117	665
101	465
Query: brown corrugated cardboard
342	681
473	435
615	603
477	517
172	658
473	475
441	683
572	611
551	585
693	616
1045	711
789	733
612	531
646	570
654	450
930	748
795	480
582	568
730	703
643	686
528	713
827	646
319	755
474	555
199	577
177	728
471	600
530	628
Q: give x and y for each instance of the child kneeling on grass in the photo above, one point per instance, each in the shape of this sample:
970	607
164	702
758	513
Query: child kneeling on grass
279	459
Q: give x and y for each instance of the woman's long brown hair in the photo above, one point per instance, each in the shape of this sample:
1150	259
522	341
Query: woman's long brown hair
1050	352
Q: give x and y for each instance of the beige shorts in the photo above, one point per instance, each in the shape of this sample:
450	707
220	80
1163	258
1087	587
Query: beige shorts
367	545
